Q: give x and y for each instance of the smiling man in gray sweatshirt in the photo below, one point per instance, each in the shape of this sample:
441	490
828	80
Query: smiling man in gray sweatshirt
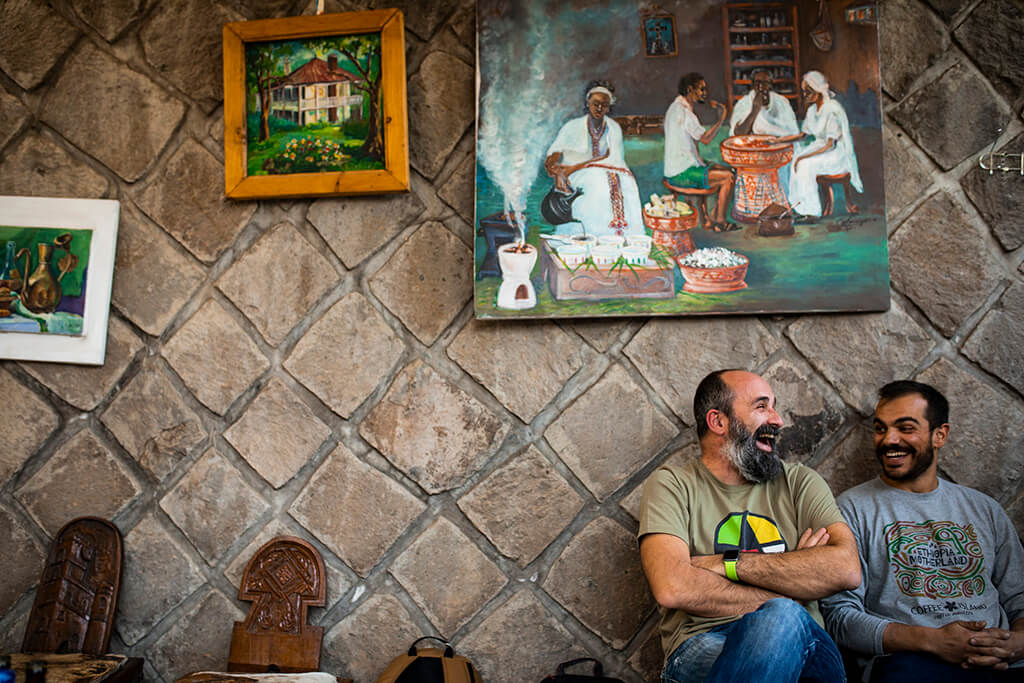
942	596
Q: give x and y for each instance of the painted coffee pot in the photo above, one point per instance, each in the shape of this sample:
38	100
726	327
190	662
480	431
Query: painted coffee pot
41	292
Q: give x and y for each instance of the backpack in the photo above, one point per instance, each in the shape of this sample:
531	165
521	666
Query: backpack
430	665
562	676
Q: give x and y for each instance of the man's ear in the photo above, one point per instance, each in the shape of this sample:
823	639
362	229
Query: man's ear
939	435
717	421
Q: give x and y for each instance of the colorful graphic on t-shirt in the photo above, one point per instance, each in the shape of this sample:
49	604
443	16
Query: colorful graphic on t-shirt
935	559
748	532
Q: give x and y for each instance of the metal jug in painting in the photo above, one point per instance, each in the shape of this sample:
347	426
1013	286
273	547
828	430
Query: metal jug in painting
42	292
10	281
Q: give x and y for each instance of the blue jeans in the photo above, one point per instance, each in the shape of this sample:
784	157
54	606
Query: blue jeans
780	642
917	666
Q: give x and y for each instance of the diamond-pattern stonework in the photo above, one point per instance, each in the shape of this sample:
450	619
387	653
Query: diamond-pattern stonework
214	357
520	625
524	364
858	355
346	354
852	462
12	116
94	90
422	17
545	504
25	560
199	641
35	39
910	40
916	271
602	561
277	281
906	177
427	281
362	644
110	17
430	429
84	386
998	199
213	505
39	167
609	433
997	342
811	411
355	227
993	35
345	489
150	302
427	567
600	333
278	434
952	117
441	108
153	423
706	345
82	478
458	189
28	422
984	436
157	576
187	200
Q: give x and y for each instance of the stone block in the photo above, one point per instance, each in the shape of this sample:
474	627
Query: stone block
432	430
212	505
24	565
631	503
906	177
193	65
998	198
852	462
947	8
602	561
428	566
985	448
93	91
36	166
35	40
997	341
649	659
523	363
199	641
84	386
463	23
27	424
214	357
948	285
858	354
12	633
356	227
80	478
265	9
427	281
812	412
152	278
346	355
153	423
361	645
459	191
277	281
422	17
442	105
158	575
910	39
952	117
109	18
993	35
521	624
278	434
706	344
187	200
601	333
545	504
12	116
609	433
343	489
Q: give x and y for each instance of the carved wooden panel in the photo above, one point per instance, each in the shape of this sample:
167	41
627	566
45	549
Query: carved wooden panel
77	595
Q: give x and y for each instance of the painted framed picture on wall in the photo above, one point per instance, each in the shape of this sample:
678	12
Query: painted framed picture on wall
57	270
315	106
739	172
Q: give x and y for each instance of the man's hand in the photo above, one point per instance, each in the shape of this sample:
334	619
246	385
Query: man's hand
811	539
952	642
996	648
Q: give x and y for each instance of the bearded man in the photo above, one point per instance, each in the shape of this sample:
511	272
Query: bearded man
738	546
943	591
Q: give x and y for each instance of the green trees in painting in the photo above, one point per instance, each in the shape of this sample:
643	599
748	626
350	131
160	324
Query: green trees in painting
264	71
363	53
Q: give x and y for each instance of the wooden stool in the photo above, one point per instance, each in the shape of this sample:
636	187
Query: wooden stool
825	183
696	197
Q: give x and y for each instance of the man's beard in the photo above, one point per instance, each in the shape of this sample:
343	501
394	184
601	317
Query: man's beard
755	465
919	460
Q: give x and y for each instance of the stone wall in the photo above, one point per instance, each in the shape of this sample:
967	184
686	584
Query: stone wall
313	367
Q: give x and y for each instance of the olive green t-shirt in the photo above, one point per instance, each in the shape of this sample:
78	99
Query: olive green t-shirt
689	502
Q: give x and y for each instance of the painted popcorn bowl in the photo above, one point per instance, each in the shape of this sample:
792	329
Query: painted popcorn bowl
714	270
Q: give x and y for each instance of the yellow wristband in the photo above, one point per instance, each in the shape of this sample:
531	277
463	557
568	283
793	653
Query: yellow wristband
730	570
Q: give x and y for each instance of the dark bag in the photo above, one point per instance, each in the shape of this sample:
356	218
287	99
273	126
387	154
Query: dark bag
430	665
561	676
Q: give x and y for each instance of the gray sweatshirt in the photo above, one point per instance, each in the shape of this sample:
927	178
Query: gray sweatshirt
926	559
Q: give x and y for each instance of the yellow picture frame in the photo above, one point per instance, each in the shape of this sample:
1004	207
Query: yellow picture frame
394	177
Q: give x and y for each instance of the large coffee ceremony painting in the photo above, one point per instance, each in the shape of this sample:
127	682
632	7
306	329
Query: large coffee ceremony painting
686	157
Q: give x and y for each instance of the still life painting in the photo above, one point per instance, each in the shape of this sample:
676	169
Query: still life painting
740	172
56	268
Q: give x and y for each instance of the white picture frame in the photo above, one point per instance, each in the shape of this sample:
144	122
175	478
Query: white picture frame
101	217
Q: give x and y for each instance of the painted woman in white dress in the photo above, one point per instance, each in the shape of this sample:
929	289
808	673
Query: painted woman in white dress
609	203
